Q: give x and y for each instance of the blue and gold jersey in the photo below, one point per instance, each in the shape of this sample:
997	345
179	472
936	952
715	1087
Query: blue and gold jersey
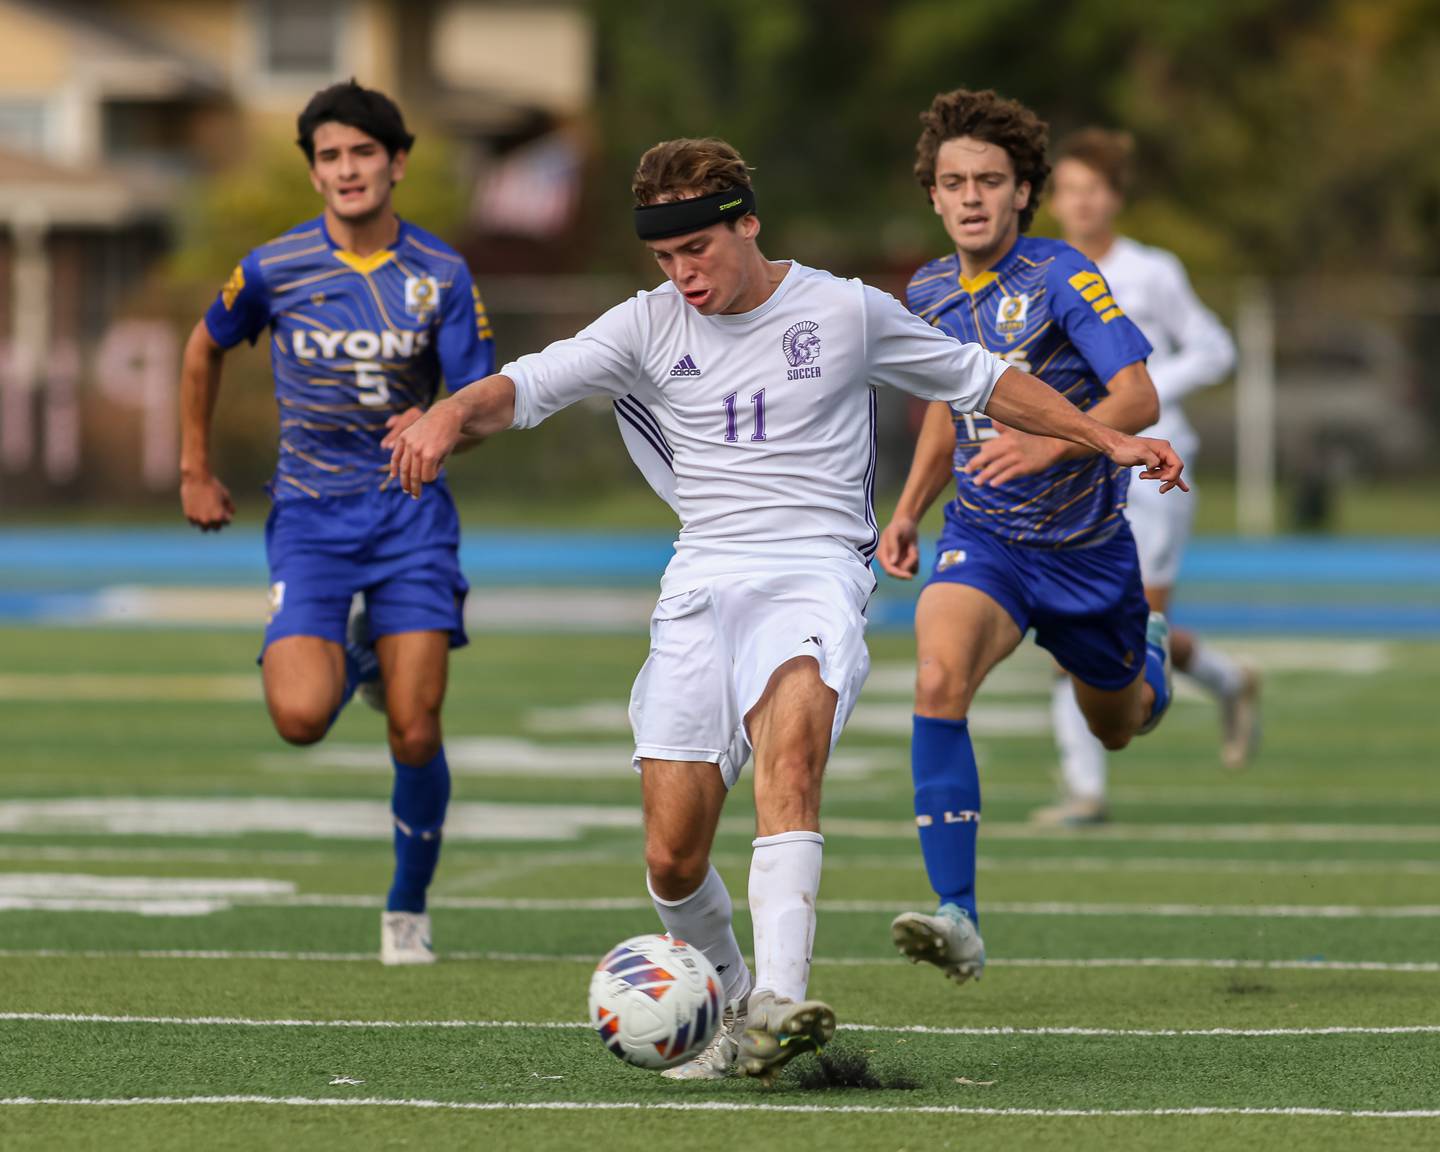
353	341
1046	309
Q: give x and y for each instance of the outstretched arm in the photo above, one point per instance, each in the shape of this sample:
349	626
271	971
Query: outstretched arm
899	552
1021	401
471	415
1129	406
206	502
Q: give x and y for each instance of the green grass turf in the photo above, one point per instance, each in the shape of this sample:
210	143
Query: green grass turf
1340	809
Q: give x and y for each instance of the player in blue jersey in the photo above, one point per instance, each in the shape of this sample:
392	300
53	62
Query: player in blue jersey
1036	536
367	314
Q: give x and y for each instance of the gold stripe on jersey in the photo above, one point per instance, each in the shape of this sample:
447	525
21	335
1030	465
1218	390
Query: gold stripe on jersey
301	283
931	311
450	256
946	275
1034	263
300	316
303	487
289	236
1089	530
311	426
293	255
1054	512
379	302
286	402
1094	291
482	317
1041	495
1032	337
338	469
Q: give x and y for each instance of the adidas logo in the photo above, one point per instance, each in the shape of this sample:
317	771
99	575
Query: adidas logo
685	367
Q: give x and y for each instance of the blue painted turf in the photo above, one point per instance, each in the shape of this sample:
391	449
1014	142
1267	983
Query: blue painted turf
1313	586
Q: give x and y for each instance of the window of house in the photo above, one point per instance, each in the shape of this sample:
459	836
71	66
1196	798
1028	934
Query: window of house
300	38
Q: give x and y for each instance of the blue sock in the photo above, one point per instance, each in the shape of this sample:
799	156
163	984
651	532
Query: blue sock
418	802
1155	677
947	807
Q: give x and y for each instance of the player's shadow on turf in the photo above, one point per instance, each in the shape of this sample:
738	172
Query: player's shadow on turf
841	1068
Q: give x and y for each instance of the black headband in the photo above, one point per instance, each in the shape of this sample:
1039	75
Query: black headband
677	217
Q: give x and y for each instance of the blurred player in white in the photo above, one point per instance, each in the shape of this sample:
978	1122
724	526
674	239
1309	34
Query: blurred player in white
747	386
1192	350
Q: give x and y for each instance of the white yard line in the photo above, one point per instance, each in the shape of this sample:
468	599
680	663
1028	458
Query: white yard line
1414	967
371	820
1246	833
165	896
521	863
100	687
716	1106
552	1025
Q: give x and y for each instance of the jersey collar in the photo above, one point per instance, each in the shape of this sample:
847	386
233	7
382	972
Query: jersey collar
365	264
977	284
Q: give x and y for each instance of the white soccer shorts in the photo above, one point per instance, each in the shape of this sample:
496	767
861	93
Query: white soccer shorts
1161	524
713	650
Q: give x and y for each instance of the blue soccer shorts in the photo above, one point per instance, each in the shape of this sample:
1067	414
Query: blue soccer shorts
403	554
1087	605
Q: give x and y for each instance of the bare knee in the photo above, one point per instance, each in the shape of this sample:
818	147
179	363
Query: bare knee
415	740
676	871
299	726
1114	739
942	690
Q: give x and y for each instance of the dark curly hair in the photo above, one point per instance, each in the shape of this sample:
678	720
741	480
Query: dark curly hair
987	116
372	112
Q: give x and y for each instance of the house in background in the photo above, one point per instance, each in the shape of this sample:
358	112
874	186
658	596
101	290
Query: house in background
109	109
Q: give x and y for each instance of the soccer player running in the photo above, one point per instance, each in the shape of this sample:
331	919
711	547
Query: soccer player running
1036	536
1192	351
750	382
366	314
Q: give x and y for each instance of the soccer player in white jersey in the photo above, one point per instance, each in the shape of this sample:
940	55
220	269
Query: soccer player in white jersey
750	383
1192	350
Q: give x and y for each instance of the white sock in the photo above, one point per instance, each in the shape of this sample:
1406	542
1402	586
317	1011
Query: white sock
1082	756
784	882
703	919
1216	671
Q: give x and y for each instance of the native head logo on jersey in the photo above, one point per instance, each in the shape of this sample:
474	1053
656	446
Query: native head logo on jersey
801	344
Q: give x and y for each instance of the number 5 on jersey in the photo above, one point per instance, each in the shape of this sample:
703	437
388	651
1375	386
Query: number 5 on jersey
732	431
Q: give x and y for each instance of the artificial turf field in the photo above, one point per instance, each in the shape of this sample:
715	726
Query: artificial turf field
189	911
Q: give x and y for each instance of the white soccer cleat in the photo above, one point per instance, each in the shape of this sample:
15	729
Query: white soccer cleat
358	644
1240	721
405	938
948	939
779	1030
718	1059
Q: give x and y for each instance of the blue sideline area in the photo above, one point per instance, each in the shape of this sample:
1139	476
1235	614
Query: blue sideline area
1286	586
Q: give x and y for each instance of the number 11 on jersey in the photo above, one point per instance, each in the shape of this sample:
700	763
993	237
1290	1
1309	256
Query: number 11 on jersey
732	432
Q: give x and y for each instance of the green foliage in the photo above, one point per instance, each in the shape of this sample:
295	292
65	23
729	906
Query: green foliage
1274	135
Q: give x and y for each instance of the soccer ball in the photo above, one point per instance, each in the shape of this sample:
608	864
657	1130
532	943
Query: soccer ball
655	1001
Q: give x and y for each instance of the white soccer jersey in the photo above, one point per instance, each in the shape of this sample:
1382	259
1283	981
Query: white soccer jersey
758	428
1192	348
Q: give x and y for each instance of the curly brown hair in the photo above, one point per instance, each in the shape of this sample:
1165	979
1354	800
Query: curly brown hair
1111	154
694	167
990	117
